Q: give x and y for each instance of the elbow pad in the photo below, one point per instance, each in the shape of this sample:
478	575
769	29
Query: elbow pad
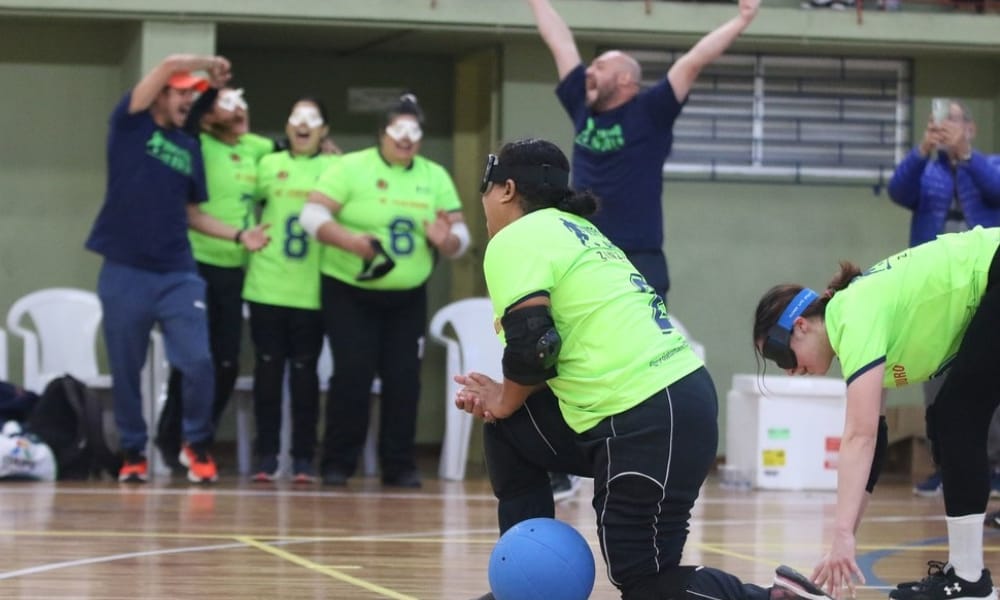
881	447
460	230
533	345
313	216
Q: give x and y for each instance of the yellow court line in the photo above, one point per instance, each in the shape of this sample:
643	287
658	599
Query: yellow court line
746	557
228	536
328	571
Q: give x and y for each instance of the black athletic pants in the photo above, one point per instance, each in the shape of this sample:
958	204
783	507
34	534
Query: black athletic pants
648	464
958	421
224	306
294	336
373	332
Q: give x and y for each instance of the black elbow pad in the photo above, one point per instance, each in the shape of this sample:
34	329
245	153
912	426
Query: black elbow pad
533	345
881	447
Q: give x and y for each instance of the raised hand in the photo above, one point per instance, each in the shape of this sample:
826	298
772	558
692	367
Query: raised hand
439	229
748	9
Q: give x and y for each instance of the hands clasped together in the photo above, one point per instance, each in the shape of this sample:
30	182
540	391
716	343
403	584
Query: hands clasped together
478	395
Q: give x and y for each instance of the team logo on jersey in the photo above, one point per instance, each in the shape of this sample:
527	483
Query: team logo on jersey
282	175
382	184
169	153
600	140
899	376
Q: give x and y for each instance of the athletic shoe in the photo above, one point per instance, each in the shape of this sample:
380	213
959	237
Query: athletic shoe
135	468
942	583
303	471
334	477
200	464
564	486
405	479
267	469
929	487
789	584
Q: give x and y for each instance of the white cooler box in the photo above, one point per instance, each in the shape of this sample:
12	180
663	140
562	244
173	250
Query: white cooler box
784	432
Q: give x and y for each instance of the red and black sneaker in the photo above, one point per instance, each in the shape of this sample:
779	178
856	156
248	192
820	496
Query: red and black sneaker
200	464
135	468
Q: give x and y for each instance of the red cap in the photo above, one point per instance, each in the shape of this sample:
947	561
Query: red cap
183	80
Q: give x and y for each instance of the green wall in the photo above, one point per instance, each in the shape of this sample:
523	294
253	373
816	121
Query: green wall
61	80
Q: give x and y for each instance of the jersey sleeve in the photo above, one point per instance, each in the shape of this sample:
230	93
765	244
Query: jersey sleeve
121	118
515	269
660	103
259	145
333	184
572	92
859	334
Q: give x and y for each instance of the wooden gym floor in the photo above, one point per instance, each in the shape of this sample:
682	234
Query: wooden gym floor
242	540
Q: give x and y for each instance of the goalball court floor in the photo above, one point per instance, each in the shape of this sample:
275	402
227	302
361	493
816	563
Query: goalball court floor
168	539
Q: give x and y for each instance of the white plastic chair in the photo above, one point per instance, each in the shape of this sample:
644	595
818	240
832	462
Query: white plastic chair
475	347
63	339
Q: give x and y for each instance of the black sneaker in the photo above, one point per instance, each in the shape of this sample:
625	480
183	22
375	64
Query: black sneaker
303	471
942	583
406	479
334	477
267	469
789	584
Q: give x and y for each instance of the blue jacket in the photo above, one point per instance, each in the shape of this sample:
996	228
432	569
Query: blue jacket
927	187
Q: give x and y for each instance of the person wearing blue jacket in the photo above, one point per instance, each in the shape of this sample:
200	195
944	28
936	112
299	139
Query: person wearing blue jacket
949	187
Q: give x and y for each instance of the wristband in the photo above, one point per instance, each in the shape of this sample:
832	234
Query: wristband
238	237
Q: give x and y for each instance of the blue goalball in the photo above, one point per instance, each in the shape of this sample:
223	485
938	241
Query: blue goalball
541	559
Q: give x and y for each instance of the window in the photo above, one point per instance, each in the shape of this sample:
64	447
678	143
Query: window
790	118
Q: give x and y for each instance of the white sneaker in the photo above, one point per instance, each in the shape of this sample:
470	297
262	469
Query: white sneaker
564	486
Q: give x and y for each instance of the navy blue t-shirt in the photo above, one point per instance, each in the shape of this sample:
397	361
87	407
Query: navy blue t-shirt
153	174
619	156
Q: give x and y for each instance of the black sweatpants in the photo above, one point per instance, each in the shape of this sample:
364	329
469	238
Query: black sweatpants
648	464
224	306
294	336
959	419
373	332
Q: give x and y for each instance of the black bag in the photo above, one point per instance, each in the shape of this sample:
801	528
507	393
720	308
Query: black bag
81	431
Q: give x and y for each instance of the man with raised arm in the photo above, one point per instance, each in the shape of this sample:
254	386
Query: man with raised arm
156	182
624	132
623	136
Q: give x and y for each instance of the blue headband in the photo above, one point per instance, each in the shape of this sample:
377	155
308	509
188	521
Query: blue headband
799	303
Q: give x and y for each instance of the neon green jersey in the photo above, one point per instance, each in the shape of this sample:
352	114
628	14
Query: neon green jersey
286	271
391	203
618	345
911	310
231	175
